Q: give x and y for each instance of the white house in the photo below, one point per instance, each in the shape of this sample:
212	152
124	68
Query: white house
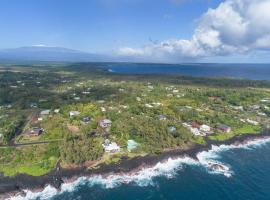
252	122
111	147
56	110
205	128
45	112
195	131
105	123
73	113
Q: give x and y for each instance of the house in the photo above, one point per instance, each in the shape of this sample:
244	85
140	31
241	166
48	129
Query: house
33	105
105	123
148	105
44	112
240	108
265	100
255	107
195	131
131	144
171	129
36	131
213	98
110	147
85	120
150	87
56	110
77	98
205	128
162	117
252	122
224	128
195	124
262	114
73	113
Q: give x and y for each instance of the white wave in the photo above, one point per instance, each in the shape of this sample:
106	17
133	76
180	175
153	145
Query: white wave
47	193
210	158
144	177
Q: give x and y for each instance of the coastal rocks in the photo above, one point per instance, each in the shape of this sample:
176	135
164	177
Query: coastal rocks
199	155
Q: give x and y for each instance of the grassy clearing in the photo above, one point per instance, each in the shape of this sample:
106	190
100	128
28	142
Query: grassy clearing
246	129
31	160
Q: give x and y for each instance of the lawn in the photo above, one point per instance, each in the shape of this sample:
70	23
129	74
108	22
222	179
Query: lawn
246	129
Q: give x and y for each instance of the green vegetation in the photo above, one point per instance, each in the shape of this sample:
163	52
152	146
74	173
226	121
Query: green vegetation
80	149
156	111
33	160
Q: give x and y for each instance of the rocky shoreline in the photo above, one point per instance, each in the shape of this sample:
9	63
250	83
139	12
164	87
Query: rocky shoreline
11	186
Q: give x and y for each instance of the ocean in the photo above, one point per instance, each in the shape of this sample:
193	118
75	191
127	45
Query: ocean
245	176
242	71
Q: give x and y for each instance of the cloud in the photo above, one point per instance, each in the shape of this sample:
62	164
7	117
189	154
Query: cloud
235	26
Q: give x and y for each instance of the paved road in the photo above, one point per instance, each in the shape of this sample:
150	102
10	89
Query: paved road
29	143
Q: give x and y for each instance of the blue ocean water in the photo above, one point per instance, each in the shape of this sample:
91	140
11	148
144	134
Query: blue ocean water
245	71
247	178
250	180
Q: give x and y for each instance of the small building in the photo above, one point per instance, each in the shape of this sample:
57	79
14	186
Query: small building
195	124
105	123
85	120
103	109
255	123
162	117
205	128
171	129
110	147
255	107
240	108
56	110
131	144
195	131
224	128
36	131
73	113
138	98
33	105
150	87
44	112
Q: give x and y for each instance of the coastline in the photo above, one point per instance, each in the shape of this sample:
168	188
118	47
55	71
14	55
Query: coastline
13	186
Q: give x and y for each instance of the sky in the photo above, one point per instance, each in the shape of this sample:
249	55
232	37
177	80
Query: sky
143	30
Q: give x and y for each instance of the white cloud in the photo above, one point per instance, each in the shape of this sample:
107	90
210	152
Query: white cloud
235	26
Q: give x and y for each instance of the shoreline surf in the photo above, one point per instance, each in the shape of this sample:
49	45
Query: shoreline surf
138	170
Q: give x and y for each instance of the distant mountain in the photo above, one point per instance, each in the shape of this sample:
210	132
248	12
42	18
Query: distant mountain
44	53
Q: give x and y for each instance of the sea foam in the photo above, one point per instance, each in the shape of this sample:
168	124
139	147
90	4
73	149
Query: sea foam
145	176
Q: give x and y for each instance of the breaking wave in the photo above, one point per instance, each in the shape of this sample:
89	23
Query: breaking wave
208	160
